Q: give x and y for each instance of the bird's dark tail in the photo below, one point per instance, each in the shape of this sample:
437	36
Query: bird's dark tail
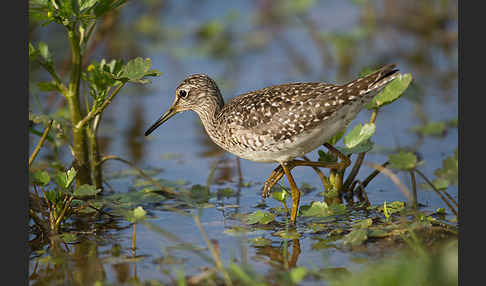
375	80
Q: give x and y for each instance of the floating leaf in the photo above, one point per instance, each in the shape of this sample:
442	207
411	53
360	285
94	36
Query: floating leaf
260	217
290	234
403	161
393	207
378	233
226	193
321	209
259	241
41	177
391	91
69	237
441	183
431	129
254	217
363	223
297	274
358	134
356	237
449	170
85	191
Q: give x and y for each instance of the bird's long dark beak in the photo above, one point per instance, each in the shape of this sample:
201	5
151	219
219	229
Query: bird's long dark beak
168	114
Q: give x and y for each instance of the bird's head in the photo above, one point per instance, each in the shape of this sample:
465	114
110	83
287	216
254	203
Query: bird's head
198	93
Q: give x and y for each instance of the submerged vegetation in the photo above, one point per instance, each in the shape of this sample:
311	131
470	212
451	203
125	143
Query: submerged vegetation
79	221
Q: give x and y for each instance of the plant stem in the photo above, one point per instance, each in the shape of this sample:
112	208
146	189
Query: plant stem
80	144
41	142
94	157
213	251
360	159
438	192
324	179
414	189
373	175
134	236
392	176
100	109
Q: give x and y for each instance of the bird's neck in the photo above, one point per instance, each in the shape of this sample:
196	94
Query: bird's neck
209	110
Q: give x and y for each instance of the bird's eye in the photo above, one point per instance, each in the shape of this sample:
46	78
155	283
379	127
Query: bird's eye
182	93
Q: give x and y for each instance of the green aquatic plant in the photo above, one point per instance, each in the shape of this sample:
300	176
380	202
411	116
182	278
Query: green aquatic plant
104	79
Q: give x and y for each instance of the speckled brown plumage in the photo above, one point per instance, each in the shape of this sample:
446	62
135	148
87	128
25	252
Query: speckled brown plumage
277	123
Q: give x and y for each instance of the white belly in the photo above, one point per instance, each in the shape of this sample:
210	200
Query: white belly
308	141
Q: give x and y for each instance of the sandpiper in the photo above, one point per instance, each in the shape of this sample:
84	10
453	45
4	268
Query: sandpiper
278	123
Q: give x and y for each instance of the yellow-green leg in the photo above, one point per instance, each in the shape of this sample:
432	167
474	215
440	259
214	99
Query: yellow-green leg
277	173
294	191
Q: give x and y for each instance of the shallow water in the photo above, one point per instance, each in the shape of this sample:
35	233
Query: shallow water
184	152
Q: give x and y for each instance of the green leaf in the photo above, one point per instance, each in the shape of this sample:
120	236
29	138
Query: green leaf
41	178
297	274
377	233
358	134
44	52
440	211
32	51
385	212
391	91
70	175
449	170
391	208
321	209
403	161
259	241
326	156
260	217
280	196
431	129
356	237
85	191
139	213
136	69
335	139
69	237
65	179
87	4
136	215
267	218
364	146
291	234
441	183
363	223
254	217
47	86
226	193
